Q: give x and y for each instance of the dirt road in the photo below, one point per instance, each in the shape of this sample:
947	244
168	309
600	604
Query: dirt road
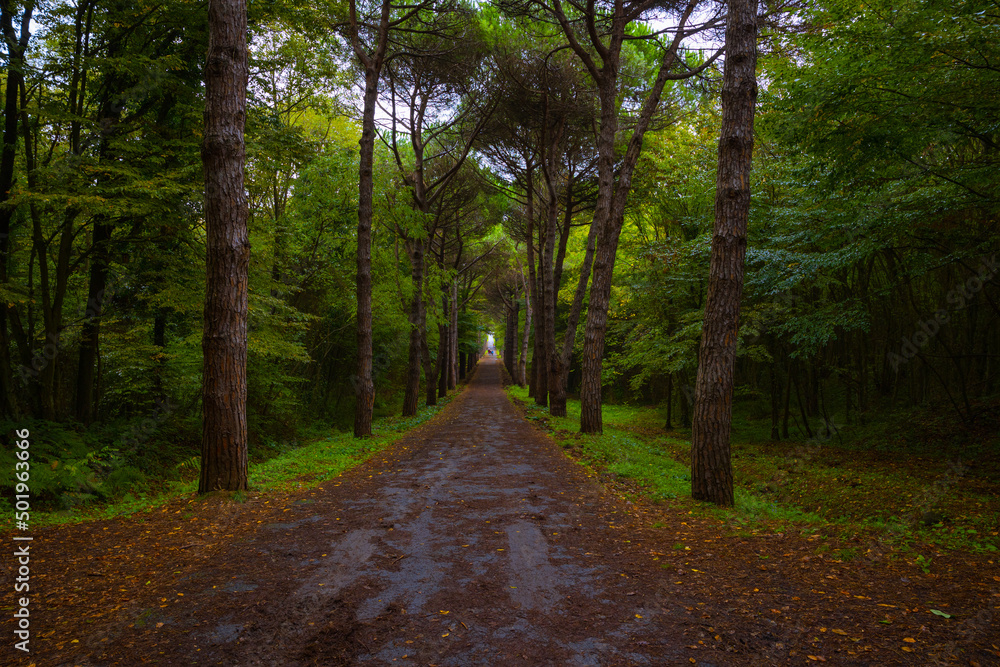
480	544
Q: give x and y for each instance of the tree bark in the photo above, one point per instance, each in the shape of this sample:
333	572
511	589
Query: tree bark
552	368
98	282
364	386
430	366
711	467
16	46
453	338
442	355
224	342
91	330
557	393
522	361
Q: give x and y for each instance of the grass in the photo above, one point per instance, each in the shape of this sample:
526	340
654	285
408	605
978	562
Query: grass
837	486
621	450
295	468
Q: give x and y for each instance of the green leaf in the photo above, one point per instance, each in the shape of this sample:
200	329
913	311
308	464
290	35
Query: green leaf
938	612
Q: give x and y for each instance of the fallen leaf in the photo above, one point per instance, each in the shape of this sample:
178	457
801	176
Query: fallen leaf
940	613
909	640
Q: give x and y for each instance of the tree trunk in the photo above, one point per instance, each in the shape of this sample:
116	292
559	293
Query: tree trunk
510	337
442	358
614	182
430	366
557	393
16	46
224	342
711	467
453	338
522	361
553	362
90	333
364	386
100	256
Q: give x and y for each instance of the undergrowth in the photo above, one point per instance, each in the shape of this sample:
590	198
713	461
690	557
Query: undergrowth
826	486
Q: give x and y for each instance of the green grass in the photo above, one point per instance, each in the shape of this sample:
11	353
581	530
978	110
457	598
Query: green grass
839	486
620	450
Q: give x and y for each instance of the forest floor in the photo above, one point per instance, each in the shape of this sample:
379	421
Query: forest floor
476	541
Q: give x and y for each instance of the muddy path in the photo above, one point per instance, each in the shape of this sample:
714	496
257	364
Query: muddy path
478	543
472	541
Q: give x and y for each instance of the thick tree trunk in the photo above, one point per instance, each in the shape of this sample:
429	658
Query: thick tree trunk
224	342
16	46
711	467
604	258
364	386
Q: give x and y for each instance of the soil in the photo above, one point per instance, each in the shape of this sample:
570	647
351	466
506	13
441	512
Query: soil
476	541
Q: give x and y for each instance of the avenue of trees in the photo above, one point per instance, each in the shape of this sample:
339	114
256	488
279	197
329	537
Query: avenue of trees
788	210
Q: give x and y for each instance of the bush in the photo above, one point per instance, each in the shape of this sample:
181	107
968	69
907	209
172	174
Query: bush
123	480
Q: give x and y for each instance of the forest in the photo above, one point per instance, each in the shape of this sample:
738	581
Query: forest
541	172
